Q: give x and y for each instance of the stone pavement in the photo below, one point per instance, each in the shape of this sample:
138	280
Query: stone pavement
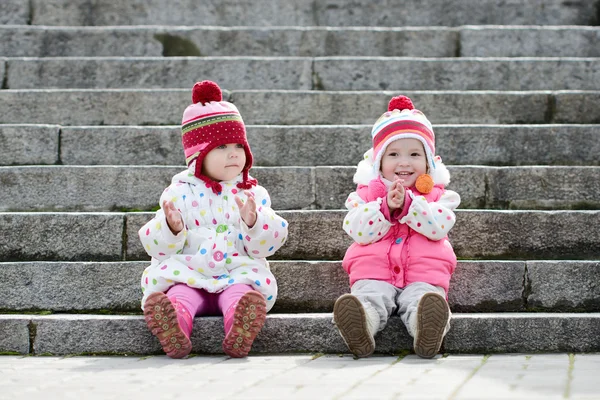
309	376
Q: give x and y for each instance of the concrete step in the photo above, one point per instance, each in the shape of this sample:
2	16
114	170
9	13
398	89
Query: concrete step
164	106
303	73
77	188
298	145
202	41
288	333
300	12
304	286
313	235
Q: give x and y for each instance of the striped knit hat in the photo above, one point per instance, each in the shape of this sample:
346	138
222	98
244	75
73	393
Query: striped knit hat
399	122
210	122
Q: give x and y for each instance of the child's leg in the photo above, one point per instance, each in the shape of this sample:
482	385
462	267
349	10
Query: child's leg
244	314
361	314
425	312
170	319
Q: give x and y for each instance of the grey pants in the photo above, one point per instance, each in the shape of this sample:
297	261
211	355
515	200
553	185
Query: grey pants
386	299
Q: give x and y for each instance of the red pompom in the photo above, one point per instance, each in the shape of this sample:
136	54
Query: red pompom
205	92
400	103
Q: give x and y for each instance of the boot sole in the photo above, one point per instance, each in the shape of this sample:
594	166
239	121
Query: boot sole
161	318
351	320
432	317
249	318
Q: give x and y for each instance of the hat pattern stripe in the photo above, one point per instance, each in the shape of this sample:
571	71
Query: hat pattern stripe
209	115
392	130
199	123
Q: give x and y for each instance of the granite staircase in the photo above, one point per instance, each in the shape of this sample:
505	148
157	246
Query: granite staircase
90	106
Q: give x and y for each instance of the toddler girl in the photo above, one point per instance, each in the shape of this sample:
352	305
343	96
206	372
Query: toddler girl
399	217
209	240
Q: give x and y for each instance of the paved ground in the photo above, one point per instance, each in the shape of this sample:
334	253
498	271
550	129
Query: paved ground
314	377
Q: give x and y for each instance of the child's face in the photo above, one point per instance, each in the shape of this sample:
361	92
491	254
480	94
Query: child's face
404	159
225	162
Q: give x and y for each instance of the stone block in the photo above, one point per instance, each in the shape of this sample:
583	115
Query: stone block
583	104
563	285
71	286
76	188
399	74
544	188
138	73
29	144
61	236
14	334
540	41
518	144
487	286
14	12
523	333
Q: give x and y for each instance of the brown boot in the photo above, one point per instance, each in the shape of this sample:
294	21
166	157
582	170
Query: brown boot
250	314
354	325
432	317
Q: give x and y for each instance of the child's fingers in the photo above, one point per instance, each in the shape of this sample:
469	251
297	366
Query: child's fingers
239	201
249	194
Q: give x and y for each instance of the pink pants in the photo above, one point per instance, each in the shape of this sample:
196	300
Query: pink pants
200	302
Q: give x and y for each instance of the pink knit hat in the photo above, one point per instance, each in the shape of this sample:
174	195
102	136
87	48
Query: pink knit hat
399	122
210	122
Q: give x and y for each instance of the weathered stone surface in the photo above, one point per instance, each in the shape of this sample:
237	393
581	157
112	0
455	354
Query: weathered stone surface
518	144
76	188
318	235
564	286
303	286
94	107
312	13
33	41
61	236
487	286
529	42
343	73
508	333
584	104
14	12
137	73
14	334
71	286
470	333
163	107
319	145
543	187
526	234
28	144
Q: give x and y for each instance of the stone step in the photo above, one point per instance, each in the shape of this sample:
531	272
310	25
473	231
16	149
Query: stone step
202	41
304	286
298	145
313	235
285	333
300	12
303	73
77	188
266	107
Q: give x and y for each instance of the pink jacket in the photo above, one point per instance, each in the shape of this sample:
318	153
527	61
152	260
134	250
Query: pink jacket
409	246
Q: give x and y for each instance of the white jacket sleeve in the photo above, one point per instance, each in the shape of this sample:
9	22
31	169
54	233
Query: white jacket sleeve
432	220
269	232
156	236
365	223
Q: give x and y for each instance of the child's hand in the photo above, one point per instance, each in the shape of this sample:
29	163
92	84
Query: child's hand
395	196
174	219
248	209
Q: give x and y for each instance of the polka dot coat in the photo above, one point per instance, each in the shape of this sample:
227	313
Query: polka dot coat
406	246
215	249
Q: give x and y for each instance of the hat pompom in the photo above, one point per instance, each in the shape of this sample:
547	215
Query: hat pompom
400	103
424	183
205	92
